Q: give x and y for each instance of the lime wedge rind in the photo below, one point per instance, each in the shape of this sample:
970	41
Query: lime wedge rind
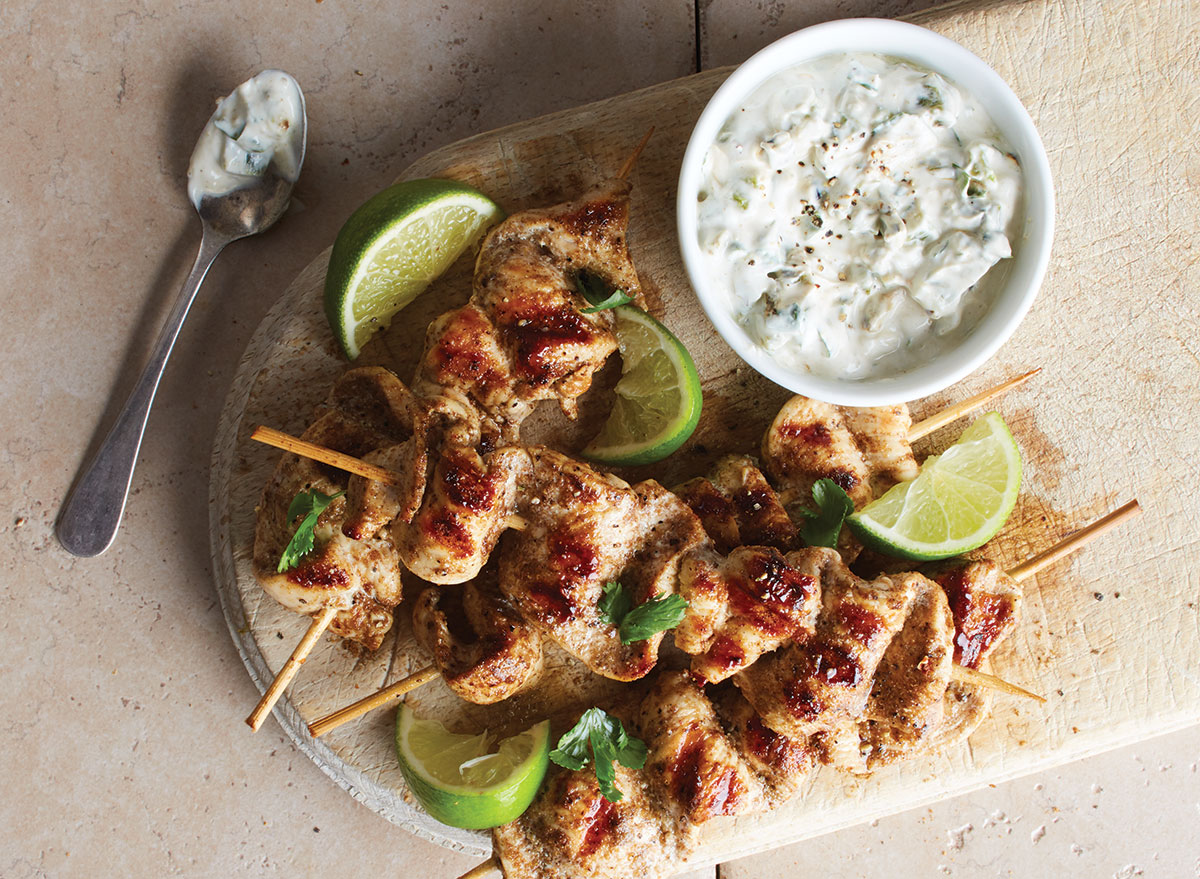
461	781
658	399
960	500
393	247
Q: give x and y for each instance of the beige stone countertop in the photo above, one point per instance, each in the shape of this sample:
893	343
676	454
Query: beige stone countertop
123	697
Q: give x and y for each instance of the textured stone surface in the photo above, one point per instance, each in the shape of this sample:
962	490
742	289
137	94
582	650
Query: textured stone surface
124	696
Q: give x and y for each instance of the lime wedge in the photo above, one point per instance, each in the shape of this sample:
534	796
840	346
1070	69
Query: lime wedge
462	782
958	502
392	247
658	398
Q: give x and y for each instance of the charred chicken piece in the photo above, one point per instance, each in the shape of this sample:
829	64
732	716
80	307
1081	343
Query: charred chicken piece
985	602
782	765
823	684
367	409
572	832
743	606
907	701
738	507
697	770
584	530
484	650
864	451
524	335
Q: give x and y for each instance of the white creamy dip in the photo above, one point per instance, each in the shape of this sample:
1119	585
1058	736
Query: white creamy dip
850	207
260	125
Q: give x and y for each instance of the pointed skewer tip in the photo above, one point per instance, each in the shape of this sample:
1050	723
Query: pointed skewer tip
633	157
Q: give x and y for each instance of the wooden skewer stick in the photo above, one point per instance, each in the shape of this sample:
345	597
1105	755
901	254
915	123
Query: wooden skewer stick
958	410
317	628
304	449
487	868
633	157
376	700
280	440
983	679
1027	569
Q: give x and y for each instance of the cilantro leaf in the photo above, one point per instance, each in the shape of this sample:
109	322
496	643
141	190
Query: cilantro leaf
309	504
656	615
615	603
833	506
596	292
609	743
639	623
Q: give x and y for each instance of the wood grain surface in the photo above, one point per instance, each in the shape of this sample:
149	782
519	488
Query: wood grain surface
1112	636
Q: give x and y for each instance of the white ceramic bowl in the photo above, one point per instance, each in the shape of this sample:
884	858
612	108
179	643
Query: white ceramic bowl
1031	245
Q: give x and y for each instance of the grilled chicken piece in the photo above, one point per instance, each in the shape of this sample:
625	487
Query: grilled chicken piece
810	440
571	832
524	335
367	409
465	508
907	701
450	510
865	451
738	507
882	436
698	771
484	650
824	683
985	602
584	530
782	765
743	606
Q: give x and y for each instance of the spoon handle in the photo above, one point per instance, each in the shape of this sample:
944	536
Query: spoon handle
92	513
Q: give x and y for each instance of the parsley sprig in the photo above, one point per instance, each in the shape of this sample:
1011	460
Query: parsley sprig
641	622
309	504
596	292
608	741
825	524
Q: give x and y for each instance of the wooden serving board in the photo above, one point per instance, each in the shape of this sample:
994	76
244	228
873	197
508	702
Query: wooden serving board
1111	636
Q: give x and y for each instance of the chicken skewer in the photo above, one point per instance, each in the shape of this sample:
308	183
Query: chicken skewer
965	673
701	767
346	584
400	688
589	234
762	490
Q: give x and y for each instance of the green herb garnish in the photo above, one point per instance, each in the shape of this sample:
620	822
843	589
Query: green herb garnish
644	621
609	742
598	294
825	524
932	98
309	504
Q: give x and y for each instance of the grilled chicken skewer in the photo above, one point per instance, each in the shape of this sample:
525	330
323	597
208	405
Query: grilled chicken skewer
350	586
970	586
763	520
524	336
720	757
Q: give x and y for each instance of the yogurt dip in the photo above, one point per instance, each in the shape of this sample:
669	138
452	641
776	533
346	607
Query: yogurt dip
850	208
259	126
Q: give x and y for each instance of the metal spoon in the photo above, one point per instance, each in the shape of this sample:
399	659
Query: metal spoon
92	513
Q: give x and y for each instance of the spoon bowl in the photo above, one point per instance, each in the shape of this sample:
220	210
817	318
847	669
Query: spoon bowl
247	211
